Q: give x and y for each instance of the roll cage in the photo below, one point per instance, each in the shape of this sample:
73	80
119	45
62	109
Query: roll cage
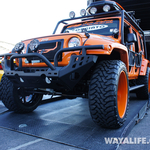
115	13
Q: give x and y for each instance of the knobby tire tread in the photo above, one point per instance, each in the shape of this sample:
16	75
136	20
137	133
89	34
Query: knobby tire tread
7	96
102	97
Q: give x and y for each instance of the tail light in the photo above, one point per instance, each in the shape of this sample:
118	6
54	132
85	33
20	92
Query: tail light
1	67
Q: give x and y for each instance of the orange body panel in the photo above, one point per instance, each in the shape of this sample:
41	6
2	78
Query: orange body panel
133	74
110	44
144	66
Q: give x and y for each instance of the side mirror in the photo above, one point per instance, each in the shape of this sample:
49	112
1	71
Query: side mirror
131	37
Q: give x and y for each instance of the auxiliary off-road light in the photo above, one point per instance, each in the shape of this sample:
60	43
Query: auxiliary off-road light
93	10
83	12
73	42
72	14
106	8
34	44
18	47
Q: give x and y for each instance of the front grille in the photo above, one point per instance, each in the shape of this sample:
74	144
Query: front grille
48	49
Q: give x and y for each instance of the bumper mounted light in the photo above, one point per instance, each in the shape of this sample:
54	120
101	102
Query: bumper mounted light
34	44
18	47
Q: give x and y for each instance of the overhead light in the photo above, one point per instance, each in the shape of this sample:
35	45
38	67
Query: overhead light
72	14
83	12
106	8
93	10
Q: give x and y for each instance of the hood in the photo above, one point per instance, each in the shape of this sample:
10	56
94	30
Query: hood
94	39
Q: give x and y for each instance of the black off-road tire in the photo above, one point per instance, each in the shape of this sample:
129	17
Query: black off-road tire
12	100
103	94
143	92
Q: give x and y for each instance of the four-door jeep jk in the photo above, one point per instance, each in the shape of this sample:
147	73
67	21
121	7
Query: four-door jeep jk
101	56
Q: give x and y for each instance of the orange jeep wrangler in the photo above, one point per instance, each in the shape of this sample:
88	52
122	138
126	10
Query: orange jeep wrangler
102	56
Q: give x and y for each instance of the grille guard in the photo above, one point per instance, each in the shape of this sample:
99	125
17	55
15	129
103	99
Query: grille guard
61	77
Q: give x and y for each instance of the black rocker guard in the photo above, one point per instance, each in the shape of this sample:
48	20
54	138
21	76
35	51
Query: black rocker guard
57	78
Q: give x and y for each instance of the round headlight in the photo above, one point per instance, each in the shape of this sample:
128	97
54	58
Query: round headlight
18	47
106	8
73	42
34	44
83	12
72	14
93	10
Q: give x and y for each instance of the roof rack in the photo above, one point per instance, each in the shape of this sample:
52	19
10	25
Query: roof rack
132	14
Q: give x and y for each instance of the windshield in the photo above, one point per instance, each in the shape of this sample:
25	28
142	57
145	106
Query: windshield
102	27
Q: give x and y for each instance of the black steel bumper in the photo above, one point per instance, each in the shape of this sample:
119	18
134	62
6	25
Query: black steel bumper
58	78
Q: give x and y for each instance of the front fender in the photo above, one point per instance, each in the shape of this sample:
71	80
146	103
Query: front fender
123	51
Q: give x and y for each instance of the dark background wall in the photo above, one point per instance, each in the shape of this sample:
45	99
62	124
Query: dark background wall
141	8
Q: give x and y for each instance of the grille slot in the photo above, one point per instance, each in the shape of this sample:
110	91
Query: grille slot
48	49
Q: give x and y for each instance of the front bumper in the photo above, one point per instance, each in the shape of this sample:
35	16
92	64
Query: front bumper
57	78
